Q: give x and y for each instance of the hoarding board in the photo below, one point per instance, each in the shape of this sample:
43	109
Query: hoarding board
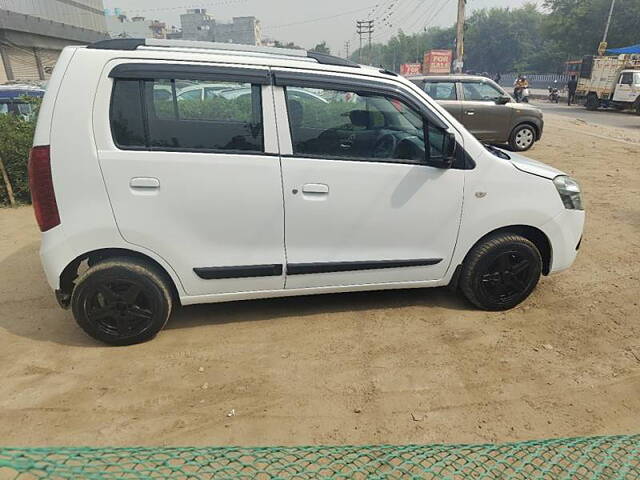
438	61
408	69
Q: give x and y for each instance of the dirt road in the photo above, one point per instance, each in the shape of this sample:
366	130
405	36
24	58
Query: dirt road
394	367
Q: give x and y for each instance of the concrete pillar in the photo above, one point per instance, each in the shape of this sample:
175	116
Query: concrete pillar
6	63
39	64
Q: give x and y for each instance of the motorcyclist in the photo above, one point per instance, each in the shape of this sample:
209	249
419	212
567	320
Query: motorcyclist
520	85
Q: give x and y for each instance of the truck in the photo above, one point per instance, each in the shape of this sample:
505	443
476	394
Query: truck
610	81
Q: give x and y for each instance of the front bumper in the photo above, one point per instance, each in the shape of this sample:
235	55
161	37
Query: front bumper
565	235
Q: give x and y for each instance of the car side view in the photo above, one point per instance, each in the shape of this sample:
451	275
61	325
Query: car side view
318	176
486	109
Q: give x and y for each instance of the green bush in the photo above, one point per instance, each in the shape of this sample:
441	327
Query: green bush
16	138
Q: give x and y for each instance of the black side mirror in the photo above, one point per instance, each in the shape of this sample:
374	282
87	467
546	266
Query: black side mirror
502	100
448	149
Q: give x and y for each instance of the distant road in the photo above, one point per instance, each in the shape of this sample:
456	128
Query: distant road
608	118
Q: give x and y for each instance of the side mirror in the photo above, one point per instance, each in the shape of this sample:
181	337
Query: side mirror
502	100
447	156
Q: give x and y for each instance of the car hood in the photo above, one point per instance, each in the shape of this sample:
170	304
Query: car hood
527	165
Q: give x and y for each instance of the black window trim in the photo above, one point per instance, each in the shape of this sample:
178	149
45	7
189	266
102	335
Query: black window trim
173	71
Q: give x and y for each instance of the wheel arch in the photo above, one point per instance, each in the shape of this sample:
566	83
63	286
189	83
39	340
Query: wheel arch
72	271
533	234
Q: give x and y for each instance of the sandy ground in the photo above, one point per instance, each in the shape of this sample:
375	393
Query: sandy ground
394	367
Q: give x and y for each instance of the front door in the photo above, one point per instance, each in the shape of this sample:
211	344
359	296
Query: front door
197	180
628	87
361	206
483	116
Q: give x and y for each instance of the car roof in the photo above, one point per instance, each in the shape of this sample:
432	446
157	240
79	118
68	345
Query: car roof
450	78
246	55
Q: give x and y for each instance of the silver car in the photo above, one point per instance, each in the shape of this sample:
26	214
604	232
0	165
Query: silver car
485	109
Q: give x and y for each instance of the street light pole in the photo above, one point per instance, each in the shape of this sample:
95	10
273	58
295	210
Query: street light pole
460	37
606	29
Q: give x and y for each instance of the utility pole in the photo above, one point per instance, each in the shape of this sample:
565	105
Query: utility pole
458	64
346	47
602	48
364	27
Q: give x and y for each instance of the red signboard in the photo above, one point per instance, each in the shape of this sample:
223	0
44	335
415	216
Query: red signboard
438	61
408	69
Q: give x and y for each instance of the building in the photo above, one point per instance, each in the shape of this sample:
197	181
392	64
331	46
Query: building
120	26
197	24
33	32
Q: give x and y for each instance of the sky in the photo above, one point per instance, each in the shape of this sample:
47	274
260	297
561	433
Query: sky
308	23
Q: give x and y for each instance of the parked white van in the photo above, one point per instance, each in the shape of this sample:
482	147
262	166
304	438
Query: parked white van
146	200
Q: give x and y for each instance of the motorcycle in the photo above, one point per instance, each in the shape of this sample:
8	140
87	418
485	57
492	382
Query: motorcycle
554	94
521	94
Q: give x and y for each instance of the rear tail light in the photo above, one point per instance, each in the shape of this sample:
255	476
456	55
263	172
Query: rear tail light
41	185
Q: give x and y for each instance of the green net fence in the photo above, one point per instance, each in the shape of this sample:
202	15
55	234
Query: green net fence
614	457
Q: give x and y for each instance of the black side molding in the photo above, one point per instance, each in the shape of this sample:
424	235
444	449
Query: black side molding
326	59
332	267
247	271
118	44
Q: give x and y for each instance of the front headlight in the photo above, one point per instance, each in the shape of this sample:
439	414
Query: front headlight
569	191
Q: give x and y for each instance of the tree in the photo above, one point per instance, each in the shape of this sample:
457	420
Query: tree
578	25
322	48
279	44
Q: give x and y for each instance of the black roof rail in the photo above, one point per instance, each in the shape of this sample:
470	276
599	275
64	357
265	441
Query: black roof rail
118	44
327	59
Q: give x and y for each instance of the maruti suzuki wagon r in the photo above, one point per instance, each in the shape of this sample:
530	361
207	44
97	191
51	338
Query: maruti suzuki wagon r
174	172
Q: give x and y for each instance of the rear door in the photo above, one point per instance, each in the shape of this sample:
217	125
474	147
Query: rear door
481	113
446	93
195	180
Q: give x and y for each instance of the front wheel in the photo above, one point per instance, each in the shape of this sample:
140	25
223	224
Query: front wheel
121	301
522	138
501	272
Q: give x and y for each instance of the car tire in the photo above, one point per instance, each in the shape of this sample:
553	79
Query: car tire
593	103
501	272
121	301
522	138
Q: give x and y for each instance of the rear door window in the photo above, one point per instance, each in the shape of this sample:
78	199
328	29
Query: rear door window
187	115
441	90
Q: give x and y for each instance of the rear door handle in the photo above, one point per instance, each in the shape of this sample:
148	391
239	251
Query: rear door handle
144	183
470	112
319	188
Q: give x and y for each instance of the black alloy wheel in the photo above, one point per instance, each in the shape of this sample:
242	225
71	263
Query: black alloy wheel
501	271
119	308
507	277
121	302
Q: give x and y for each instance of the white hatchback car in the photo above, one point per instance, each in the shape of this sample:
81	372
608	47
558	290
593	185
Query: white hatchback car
146	201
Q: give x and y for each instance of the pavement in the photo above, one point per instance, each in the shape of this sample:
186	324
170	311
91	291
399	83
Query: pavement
607	118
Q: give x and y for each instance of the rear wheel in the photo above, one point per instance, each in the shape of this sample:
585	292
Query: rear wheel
121	302
522	138
593	103
501	272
